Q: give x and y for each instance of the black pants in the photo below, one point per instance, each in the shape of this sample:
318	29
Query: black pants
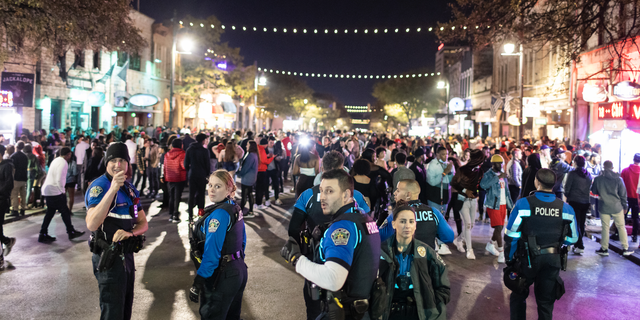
633	206
455	206
515	192
154	181
481	211
247	193
56	203
175	195
544	273
164	186
262	187
285	167
197	188
4	207
275	182
116	288
141	176
225	301
134	167
581	217
314	307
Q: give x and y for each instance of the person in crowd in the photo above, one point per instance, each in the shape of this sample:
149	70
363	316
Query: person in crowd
486	166
53	190
198	167
545	156
248	174
630	177
262	182
577	189
497	202
440	171
418	285
529	175
88	154
324	147
132	148
42	174
213	158
187	141
95	166
612	204
6	186
244	143
514	175
420	172
278	148
72	182
402	172
287	145
379	159
306	165
141	175
114	215
230	158
560	168
19	192
362	182
80	153
273	168
381	178
33	170
467	182
162	151
175	175
542	217
373	142
153	167
222	275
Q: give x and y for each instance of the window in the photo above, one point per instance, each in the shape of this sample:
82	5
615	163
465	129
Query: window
78	58
122	58
97	59
134	60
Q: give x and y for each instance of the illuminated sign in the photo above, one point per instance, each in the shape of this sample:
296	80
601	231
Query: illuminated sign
609	111
360	121
456	104
6	98
594	93
143	100
634	111
626	90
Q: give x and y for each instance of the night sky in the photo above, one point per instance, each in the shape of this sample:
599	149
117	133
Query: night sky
342	54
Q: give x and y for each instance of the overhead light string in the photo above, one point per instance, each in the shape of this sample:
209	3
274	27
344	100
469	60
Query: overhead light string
350	76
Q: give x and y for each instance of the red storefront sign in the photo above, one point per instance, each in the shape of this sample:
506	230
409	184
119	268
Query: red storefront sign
621	110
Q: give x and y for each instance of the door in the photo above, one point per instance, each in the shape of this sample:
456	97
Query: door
83	121
95	118
56	112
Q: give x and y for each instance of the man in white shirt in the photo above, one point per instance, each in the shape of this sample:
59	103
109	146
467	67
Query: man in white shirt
55	196
81	154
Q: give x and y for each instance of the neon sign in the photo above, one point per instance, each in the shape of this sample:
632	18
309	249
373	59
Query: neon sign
626	90
634	111
622	110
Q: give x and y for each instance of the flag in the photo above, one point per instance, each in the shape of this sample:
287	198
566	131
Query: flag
123	72
107	75
496	104
507	103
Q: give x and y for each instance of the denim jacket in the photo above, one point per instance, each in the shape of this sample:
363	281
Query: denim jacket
491	183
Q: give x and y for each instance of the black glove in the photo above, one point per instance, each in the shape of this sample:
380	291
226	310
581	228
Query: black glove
291	251
194	292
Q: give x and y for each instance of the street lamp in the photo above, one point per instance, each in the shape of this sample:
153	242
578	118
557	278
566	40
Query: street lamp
186	44
445	85
259	80
509	51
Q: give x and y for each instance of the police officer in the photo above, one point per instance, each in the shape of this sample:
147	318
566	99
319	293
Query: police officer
307	214
220	240
430	224
538	227
346	263
116	219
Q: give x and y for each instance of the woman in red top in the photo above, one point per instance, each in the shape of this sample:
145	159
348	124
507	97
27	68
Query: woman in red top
176	177
262	182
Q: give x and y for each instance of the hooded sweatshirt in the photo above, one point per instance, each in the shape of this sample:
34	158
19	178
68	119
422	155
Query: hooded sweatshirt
630	177
561	168
174	170
6	179
611	192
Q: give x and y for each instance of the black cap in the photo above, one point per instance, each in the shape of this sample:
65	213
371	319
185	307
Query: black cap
117	150
636	157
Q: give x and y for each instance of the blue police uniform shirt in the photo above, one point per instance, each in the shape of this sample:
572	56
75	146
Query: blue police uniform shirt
404	268
339	243
306	196
445	233
523	209
99	188
215	228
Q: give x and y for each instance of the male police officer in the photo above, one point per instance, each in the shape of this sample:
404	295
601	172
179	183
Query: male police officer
116	220
307	214
346	263
538	226
430	222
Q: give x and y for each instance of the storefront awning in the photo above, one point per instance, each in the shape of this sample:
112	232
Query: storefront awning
229	107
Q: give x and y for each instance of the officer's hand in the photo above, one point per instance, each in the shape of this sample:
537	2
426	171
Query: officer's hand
118	180
291	251
194	292
121	235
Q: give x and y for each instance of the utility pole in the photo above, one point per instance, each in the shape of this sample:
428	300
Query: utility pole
173	65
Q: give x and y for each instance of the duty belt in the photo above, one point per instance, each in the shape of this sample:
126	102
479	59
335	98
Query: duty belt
550	250
234	256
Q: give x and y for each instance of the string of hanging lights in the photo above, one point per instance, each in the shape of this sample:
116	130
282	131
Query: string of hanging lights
350	76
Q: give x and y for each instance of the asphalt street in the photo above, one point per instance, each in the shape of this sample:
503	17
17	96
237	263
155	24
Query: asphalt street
55	281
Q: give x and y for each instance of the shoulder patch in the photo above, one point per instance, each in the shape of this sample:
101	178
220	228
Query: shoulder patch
422	251
340	236
440	259
213	225
95	192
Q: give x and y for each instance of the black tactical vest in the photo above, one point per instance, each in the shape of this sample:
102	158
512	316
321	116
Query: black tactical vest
426	223
315	216
233	239
111	225
545	222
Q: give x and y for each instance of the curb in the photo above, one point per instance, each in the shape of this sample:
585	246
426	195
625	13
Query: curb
27	214
616	246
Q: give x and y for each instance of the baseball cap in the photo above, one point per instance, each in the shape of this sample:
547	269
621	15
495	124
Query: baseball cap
544	147
496	158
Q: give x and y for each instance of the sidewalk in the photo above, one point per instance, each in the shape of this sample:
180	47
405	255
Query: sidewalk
27	213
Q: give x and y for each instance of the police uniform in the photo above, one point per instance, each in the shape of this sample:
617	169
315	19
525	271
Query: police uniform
116	297
538	226
222	272
429	224
352	241
307	211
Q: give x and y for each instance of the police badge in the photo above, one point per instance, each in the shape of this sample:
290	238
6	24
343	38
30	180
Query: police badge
422	251
340	237
95	192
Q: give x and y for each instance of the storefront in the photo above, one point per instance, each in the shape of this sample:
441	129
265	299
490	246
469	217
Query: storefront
482	125
138	110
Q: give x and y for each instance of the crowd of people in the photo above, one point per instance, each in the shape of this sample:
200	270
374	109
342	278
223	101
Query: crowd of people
398	181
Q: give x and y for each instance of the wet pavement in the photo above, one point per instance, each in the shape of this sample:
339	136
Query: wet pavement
55	281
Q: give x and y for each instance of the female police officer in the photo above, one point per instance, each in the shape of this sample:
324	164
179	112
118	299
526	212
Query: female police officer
116	220
416	277
222	273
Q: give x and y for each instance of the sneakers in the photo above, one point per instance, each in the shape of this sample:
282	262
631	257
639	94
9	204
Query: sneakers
22	212
443	250
261	207
491	248
603	252
501	256
267	204
75	234
578	250
174	220
250	215
6	247
470	255
13	213
627	252
458	242
45	238
278	202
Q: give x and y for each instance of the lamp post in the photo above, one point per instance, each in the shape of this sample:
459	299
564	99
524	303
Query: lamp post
445	85
185	44
508	51
259	80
